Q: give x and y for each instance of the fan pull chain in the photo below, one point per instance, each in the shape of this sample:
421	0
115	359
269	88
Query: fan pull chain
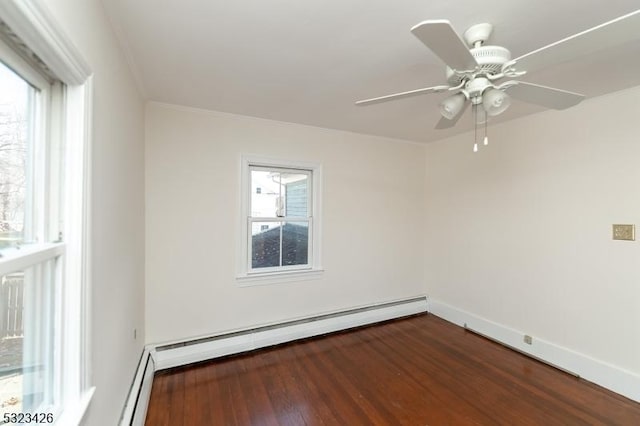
475	128
486	138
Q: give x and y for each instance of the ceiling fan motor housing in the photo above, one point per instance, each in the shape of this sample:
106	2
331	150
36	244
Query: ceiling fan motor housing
490	60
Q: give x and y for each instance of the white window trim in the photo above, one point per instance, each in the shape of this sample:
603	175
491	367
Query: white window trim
36	27
245	277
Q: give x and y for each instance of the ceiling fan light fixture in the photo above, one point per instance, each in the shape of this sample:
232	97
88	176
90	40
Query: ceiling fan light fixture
451	106
495	101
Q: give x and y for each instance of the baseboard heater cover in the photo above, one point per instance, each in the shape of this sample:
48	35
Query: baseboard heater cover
202	349
135	409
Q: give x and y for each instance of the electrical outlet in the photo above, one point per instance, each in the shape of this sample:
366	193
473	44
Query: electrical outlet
528	339
135	333
624	232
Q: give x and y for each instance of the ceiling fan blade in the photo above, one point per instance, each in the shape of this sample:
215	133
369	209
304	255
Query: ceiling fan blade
545	96
445	123
609	34
441	38
401	95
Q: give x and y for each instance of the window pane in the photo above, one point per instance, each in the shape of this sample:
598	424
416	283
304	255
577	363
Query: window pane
16	136
27	339
295	243
267	198
277	193
265	244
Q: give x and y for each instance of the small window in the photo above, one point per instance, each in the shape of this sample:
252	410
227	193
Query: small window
281	217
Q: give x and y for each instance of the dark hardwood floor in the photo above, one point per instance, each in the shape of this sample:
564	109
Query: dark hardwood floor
414	371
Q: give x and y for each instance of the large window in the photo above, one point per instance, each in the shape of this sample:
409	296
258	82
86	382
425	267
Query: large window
30	241
41	296
280	217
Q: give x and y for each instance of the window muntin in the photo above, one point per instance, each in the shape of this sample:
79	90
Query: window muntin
279	221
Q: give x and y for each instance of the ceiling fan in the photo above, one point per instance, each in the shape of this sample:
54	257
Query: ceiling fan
476	72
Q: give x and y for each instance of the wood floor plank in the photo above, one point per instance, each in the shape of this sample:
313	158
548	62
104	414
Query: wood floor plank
456	371
309	391
419	370
190	408
345	401
240	410
357	379
220	394
438	403
204	409
160	398
256	396
287	393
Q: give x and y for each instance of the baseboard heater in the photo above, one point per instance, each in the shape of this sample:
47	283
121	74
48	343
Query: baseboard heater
201	349
135	409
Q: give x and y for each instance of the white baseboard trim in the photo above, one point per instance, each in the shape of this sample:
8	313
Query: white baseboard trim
601	373
160	357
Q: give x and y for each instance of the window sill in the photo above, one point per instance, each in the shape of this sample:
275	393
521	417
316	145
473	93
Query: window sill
246	280
73	414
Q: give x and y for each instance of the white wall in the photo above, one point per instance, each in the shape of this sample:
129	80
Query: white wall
118	209
520	232
372	221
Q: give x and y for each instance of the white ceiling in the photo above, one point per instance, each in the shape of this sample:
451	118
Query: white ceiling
307	61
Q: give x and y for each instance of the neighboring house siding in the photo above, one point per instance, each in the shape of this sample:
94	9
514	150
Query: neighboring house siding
296	198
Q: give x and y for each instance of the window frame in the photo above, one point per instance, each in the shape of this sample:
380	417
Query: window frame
281	219
39	251
33	26
245	274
